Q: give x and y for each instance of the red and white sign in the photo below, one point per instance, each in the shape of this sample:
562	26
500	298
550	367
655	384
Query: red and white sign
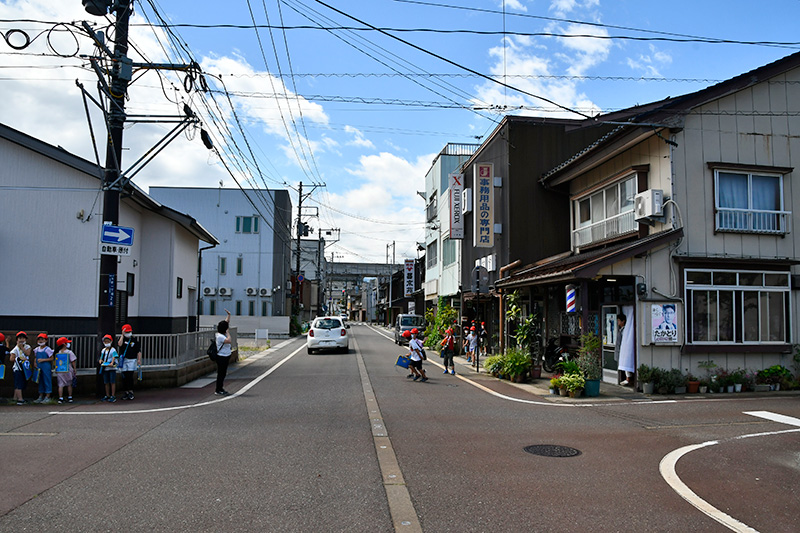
456	187
483	231
408	277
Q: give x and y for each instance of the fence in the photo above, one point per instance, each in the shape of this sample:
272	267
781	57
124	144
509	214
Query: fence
158	351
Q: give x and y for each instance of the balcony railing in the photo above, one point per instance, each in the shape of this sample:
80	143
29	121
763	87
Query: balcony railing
752	221
605	229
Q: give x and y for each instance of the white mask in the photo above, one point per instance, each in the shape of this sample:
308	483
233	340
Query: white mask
69	345
127	335
42	343
107	344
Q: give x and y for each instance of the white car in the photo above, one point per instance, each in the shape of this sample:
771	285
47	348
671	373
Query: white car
328	333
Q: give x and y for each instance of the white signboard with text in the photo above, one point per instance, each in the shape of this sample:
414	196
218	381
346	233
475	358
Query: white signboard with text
456	196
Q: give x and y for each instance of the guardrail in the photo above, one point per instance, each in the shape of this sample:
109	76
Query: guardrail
158	350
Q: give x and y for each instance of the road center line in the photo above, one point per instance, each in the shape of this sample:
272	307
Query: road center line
401	509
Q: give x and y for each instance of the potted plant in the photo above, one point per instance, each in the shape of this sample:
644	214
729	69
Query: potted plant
692	383
574	383
590	363
677	381
662	380
738	377
645	376
516	364
555	384
703	388
493	364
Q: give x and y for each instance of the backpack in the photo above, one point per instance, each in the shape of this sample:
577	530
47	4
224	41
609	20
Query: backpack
212	350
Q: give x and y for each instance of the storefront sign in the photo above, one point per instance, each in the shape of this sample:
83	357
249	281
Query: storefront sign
456	216
572	299
408	277
483	233
664	323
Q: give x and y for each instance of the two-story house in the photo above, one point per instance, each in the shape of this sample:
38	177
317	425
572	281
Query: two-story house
510	220
680	218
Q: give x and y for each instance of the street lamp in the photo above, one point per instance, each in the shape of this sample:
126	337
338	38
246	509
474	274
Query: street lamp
98	8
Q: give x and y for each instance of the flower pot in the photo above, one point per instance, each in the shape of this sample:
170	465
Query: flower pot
761	387
648	388
592	387
563	391
703	389
692	387
729	388
553	391
536	372
518	378
737	387
575	393
680	390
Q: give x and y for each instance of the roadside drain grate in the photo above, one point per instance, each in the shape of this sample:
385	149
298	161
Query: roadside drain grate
552	450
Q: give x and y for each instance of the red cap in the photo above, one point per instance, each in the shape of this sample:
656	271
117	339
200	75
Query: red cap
472	328
2	338
483	323
414	331
62	341
42	336
406	334
109	337
22	334
448	331
126	328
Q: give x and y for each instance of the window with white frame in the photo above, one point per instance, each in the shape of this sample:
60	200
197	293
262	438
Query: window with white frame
432	254
448	251
749	202
737	307
605	213
247	224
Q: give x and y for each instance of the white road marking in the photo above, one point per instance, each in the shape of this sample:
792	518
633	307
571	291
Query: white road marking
236	394
667	469
775	417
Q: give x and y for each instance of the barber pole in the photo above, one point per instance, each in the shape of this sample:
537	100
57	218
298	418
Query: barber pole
571	299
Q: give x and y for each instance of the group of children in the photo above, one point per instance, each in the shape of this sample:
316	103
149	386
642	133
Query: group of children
37	364
40	363
474	341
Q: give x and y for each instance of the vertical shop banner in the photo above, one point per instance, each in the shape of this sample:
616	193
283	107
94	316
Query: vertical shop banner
483	236
664	323
408	277
456	187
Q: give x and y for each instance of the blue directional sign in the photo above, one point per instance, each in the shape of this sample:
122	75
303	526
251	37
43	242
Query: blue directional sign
117	235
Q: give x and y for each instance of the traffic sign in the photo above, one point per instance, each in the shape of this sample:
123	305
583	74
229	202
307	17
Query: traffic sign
118	235
300	278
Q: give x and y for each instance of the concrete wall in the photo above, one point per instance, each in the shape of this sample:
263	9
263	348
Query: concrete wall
247	325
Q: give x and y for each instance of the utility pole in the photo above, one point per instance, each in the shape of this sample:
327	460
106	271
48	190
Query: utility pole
302	230
120	76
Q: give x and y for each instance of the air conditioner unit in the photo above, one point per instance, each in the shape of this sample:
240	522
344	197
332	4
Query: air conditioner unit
265	292
209	291
251	291
225	291
648	204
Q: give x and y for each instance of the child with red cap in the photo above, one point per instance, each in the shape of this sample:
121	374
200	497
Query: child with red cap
108	365
130	359
43	360
20	357
65	368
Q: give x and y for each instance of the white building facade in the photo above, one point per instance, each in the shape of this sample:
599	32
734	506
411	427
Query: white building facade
249	271
51	209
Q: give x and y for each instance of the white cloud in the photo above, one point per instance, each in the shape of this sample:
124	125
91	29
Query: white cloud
650	64
513	4
358	138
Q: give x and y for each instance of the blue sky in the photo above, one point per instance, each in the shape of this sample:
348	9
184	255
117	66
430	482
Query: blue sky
359	111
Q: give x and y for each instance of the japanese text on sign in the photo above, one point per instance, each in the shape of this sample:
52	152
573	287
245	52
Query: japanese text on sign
483	234
408	277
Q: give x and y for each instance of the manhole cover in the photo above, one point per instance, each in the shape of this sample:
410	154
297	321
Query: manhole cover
552	450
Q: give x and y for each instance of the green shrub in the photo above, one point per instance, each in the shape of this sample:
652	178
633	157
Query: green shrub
516	362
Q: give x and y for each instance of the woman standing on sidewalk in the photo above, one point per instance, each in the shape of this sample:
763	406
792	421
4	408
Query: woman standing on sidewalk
223	338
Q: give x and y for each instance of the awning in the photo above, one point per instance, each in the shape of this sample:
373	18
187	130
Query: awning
586	265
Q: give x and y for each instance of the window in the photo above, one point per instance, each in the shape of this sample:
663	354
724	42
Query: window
130	283
605	214
430	210
432	254
730	307
448	252
247	224
251	308
238	307
223	266
751	203
212	307
179	287
263	308
239	266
